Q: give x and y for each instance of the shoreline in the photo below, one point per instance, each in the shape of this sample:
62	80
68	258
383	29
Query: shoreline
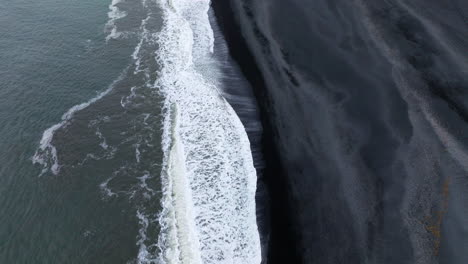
282	242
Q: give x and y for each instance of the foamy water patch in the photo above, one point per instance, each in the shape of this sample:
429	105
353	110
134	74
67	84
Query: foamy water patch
209	181
114	14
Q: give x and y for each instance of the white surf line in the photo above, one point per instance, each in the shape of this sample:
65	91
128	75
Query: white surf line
209	181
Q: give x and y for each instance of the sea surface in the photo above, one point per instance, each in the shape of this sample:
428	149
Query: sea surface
122	139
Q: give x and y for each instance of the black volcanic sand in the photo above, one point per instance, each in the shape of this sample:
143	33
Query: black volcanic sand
278	232
365	108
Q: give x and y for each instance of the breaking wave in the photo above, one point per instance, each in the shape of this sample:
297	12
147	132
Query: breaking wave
209	180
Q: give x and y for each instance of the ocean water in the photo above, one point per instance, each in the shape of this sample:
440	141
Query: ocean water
118	143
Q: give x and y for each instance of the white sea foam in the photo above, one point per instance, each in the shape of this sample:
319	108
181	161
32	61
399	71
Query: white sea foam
178	239
126	100
148	192
137	153
136	53
103	143
208	176
105	188
114	14
144	256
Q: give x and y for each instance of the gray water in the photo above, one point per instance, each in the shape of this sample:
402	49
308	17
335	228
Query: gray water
55	55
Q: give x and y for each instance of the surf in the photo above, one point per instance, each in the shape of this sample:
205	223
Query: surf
209	191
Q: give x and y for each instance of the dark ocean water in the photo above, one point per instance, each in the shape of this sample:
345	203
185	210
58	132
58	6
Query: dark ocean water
53	56
366	104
